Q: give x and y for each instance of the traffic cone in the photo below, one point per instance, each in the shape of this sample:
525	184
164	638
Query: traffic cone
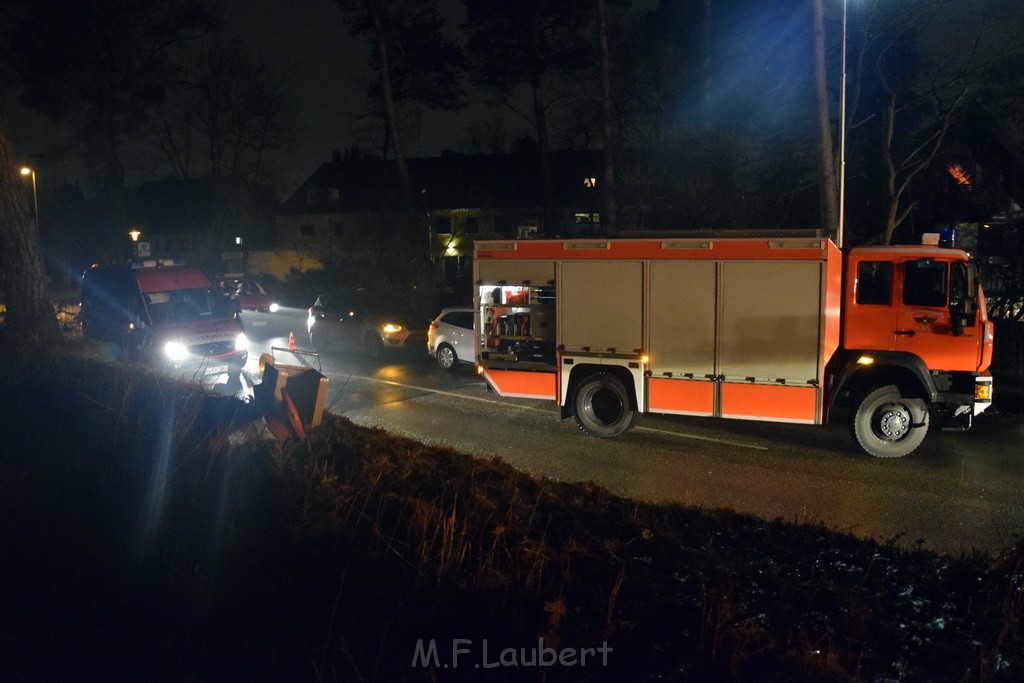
291	342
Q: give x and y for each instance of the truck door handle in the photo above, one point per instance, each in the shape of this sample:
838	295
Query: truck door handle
906	333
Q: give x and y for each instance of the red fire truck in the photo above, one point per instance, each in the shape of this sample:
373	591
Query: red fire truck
786	328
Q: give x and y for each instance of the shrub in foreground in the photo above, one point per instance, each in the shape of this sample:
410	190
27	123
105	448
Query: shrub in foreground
156	537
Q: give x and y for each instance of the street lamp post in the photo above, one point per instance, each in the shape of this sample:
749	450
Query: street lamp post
135	234
25	170
842	139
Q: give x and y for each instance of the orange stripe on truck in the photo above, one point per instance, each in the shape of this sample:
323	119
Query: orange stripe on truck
770	402
523	384
684	397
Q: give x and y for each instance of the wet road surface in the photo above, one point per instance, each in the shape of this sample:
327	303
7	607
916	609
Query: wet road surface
959	492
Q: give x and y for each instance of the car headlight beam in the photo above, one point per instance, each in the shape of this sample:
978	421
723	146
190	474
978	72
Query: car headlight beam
241	342
391	328
175	351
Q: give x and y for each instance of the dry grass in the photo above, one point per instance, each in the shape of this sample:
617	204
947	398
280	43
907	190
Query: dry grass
155	545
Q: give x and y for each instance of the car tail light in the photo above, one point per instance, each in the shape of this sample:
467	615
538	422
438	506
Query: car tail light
433	326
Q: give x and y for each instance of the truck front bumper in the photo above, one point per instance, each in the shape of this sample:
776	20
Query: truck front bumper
982	393
955	412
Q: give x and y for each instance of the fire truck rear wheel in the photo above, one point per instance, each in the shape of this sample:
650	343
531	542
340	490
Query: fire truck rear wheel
883	423
602	406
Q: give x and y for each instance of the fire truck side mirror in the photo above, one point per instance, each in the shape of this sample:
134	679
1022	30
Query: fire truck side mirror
972	282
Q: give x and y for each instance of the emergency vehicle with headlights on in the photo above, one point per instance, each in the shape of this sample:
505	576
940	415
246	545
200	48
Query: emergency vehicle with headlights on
782	328
167	314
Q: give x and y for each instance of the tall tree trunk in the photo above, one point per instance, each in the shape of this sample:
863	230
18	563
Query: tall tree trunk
543	143
388	97
405	230
30	317
827	186
609	215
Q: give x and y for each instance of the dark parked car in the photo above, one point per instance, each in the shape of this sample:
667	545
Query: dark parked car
366	320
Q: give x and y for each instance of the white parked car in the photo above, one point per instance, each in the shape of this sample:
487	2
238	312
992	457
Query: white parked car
450	337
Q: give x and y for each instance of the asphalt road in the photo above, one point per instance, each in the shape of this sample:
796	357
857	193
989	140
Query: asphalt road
957	493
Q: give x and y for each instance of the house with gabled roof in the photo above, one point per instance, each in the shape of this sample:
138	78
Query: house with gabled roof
338	213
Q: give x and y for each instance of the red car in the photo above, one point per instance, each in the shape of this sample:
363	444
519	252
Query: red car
247	293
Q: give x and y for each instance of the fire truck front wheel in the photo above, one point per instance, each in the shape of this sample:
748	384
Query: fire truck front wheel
888	425
602	406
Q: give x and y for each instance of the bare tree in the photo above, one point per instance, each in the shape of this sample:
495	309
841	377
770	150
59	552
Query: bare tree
543	44
827	184
609	218
223	115
387	96
30	317
98	66
909	90
489	137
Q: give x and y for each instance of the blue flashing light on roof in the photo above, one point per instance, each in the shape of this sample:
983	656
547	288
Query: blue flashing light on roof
948	238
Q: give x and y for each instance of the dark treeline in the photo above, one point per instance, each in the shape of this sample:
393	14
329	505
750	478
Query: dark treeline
708	112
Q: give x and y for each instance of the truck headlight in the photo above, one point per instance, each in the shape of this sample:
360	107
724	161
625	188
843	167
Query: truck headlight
274	307
241	343
390	328
175	351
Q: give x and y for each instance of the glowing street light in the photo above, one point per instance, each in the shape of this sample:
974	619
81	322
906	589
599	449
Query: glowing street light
135	235
25	170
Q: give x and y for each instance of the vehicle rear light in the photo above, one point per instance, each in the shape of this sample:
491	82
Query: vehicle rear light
433	326
983	391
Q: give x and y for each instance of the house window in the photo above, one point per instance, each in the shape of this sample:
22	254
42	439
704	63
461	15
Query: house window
472	224
307	230
587	218
525	232
442	224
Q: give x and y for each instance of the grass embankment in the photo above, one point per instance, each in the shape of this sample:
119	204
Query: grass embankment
140	541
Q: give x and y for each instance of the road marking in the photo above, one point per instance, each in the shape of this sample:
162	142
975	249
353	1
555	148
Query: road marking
442	392
481	399
701	438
